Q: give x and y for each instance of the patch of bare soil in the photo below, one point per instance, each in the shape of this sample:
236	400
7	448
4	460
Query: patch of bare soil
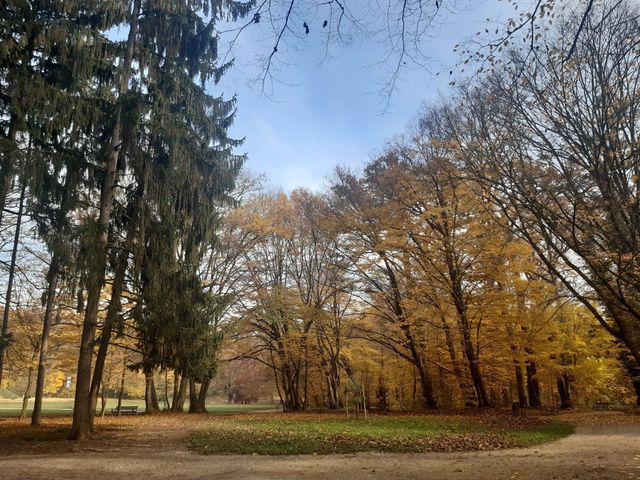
605	446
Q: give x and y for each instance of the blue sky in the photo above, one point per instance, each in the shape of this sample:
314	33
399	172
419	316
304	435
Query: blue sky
332	112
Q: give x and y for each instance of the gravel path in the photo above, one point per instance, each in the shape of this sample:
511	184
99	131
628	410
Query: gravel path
599	450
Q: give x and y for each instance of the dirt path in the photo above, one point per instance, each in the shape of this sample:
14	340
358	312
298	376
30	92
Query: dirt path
602	448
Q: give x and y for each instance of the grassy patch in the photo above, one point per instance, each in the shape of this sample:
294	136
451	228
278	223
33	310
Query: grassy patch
11	408
542	434
325	434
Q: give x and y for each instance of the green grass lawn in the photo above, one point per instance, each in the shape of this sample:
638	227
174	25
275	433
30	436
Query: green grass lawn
65	407
323	434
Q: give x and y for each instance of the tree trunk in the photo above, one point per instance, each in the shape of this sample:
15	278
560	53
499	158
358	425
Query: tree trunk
197	398
112	314
193	396
121	392
472	360
522	395
476	376
178	402
333	387
118	285
12	271
517	366
533	386
176	387
305	398
166	389
458	297
27	393
287	403
428	400
82	405
202	397
469	397
564	391
36	416
150	396
82	416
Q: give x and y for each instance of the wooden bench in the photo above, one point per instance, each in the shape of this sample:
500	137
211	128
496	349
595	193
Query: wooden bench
126	410
601	406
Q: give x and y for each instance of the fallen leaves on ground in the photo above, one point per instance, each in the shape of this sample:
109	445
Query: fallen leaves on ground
170	432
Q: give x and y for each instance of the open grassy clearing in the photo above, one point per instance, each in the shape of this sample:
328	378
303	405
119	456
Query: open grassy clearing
325	434
64	406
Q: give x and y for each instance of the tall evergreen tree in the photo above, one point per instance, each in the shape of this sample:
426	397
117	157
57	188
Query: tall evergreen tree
170	55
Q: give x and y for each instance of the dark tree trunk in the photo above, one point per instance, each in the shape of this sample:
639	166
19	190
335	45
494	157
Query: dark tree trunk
428	399
476	376
166	390
36	416
290	382
81	427
522	395
458	297
289	403
98	369
121	392
533	386
202	397
469	397
178	402
115	304
12	270
330	357
413	343
564	391
467	343
150	396
112	315
305	398
176	388
197	398
474	367
193	395
333	386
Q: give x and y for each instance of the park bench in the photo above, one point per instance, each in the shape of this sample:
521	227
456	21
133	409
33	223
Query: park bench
126	410
601	406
